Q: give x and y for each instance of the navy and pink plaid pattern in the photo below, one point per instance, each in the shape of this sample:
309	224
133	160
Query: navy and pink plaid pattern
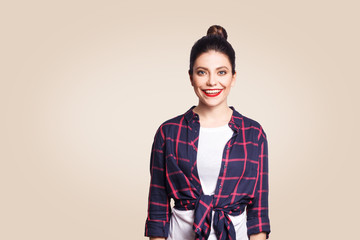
243	178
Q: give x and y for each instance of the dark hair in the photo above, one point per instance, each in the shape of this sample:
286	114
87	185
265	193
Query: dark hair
216	39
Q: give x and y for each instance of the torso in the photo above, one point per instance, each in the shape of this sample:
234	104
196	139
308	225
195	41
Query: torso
209	157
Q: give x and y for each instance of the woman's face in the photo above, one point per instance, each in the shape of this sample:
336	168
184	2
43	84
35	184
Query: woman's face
212	78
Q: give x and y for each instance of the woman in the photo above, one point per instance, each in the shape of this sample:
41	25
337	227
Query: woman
211	160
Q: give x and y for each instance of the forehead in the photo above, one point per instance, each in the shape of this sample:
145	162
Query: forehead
212	59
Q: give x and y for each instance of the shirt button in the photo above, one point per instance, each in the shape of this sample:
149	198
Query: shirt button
219	186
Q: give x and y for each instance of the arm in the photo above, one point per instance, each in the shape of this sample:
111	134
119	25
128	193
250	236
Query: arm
157	222
257	236
258	222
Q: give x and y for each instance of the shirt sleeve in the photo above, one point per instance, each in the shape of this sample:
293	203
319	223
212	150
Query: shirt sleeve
157	222
257	211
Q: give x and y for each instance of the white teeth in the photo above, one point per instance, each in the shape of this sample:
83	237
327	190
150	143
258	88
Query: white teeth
212	91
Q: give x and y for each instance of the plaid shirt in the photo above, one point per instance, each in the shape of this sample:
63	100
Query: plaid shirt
243	178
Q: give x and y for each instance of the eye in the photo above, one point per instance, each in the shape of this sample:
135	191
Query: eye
222	72
200	72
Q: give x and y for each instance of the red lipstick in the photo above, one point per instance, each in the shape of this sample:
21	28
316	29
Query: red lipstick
212	92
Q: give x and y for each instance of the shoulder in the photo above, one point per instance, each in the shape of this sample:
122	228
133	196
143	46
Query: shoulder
172	125
256	126
173	121
252	126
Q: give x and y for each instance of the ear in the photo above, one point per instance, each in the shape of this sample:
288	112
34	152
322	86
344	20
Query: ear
233	80
191	78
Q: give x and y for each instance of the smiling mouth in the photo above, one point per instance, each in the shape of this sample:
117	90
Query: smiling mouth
212	92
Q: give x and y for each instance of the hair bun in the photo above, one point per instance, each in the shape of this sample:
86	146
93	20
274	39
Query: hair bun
218	31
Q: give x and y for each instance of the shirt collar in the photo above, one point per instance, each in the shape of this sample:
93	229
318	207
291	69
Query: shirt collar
235	122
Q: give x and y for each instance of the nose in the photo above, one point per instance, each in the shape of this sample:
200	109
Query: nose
211	80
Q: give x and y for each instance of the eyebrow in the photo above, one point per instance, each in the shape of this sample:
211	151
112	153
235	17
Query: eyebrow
208	69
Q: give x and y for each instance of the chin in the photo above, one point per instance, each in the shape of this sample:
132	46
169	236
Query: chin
211	104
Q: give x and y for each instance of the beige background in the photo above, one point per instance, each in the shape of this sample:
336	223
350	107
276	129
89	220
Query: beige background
85	84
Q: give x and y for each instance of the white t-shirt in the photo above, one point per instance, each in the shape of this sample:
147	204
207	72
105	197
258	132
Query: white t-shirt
211	146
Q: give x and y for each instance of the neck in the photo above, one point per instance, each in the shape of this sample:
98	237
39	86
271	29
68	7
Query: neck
213	116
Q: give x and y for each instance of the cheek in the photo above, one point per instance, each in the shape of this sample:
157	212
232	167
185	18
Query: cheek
227	82
196	83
